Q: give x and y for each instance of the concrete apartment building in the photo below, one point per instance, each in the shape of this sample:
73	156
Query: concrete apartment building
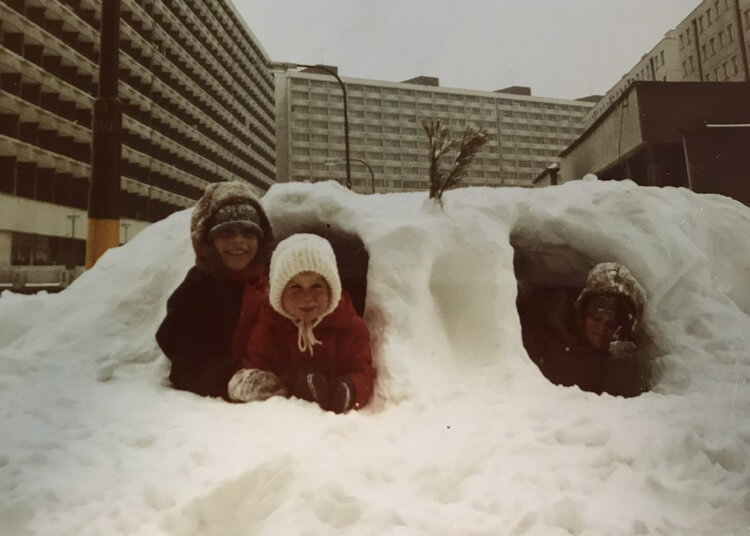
714	42
711	44
681	116
526	133
198	107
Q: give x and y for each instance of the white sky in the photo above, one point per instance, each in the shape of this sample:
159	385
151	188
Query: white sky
464	435
560	48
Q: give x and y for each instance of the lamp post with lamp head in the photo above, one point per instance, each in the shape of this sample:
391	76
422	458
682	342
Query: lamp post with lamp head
285	66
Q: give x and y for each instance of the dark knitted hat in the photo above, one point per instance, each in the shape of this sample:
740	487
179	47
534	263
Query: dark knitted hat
607	303
241	216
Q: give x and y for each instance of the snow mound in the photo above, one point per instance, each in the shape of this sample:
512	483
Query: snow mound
464	436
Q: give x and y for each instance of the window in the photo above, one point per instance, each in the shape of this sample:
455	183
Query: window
708	15
721	38
730	32
661	55
734	65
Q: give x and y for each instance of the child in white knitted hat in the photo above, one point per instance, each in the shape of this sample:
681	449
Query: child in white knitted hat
309	342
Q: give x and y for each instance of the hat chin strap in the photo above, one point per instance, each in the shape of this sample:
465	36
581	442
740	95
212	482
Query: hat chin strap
305	336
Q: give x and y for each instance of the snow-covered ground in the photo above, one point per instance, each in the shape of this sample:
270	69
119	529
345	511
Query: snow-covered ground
464	436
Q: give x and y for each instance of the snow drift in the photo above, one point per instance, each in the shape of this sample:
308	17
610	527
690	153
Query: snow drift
464	436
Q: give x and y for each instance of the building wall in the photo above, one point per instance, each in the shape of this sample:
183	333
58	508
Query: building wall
385	130
661	63
616	133
714	40
197	97
717	161
642	137
711	44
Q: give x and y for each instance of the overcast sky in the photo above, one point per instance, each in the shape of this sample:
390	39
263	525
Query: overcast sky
560	48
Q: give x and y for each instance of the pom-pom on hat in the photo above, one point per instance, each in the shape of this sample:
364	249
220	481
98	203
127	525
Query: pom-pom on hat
299	253
236	215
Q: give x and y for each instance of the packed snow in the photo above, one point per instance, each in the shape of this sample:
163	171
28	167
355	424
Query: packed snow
464	435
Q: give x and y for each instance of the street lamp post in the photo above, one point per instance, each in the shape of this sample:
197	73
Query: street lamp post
125	229
372	175
285	66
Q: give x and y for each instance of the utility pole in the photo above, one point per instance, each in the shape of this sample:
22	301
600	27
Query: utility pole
104	192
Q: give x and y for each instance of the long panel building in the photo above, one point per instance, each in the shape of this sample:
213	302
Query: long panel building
526	133
198	107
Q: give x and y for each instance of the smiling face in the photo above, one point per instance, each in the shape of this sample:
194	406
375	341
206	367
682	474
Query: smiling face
237	248
599	328
306	296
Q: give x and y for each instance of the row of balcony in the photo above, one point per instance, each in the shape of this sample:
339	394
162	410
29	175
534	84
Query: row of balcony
261	165
60	186
183	41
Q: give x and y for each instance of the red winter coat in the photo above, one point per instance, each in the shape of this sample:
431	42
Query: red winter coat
345	348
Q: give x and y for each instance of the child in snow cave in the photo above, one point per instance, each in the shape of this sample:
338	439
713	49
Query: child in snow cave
589	340
309	342
210	314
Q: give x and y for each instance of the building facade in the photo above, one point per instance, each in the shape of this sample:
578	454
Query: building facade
714	42
711	44
682	134
198	107
388	145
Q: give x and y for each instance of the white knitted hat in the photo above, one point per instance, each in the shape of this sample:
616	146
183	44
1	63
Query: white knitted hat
298	253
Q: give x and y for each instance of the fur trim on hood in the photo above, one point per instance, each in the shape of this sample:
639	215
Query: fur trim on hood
216	196
611	278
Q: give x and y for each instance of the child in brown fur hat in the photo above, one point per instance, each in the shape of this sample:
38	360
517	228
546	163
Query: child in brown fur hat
210	314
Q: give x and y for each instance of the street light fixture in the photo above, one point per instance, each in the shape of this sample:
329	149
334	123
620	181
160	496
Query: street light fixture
285	66
372	175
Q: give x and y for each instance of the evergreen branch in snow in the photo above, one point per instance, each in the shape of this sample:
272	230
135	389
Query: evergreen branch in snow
446	173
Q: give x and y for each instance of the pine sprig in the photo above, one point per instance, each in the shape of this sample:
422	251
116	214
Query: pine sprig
446	172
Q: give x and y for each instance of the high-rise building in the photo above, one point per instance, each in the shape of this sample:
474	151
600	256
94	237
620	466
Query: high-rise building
388	144
714	42
198	107
711	44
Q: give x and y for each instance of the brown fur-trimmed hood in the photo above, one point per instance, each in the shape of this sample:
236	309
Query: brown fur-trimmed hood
611	278
217	195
